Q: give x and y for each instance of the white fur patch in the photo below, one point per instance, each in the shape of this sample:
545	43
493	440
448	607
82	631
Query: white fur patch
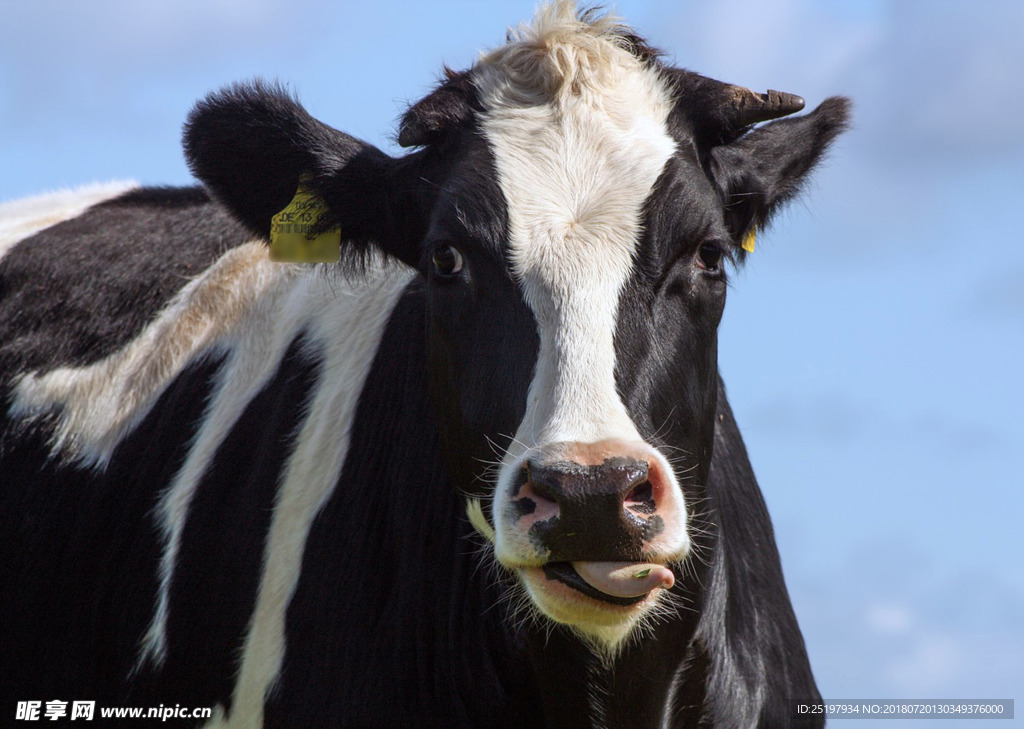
350	332
475	513
249	310
257	331
101	403
578	130
21	218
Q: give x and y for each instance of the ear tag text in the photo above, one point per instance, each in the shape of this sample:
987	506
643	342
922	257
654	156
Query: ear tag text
749	239
292	238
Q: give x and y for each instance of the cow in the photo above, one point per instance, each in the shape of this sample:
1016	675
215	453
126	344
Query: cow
479	472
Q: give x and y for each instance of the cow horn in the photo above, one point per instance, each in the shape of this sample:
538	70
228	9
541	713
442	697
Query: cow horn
719	111
749	107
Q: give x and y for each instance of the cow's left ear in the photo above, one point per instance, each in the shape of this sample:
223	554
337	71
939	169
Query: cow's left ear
759	172
251	143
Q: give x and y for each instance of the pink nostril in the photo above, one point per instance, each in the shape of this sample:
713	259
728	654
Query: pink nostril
531	502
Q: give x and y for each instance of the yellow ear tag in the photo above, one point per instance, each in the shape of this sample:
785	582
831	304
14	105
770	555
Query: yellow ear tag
291	232
749	239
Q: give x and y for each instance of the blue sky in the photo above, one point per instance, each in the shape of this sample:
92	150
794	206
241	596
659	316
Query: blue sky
872	346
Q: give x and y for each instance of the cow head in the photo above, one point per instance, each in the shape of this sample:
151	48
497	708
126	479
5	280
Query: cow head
571	209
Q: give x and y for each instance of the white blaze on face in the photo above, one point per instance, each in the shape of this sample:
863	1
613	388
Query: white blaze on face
577	127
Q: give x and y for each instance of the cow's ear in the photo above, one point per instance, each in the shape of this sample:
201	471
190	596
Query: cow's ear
445	109
760	171
251	143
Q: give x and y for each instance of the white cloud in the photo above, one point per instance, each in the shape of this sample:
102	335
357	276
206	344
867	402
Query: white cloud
951	75
69	64
888	618
892	622
112	28
934	660
928	77
1000	293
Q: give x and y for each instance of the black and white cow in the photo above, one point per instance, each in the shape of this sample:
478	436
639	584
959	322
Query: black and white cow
481	473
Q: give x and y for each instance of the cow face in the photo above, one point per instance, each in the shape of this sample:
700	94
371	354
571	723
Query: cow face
571	210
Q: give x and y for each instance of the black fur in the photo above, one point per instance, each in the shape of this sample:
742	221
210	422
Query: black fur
444	111
410	631
757	664
251	143
218	568
79	554
82	289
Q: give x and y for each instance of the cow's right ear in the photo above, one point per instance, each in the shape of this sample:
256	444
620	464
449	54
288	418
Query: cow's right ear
447	108
251	143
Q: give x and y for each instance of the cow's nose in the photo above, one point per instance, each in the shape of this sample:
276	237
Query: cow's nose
600	512
573	483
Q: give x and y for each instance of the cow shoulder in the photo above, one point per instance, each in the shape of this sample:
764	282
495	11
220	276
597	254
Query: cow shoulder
77	291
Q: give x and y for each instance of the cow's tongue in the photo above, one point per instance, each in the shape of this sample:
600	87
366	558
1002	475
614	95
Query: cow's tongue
625	579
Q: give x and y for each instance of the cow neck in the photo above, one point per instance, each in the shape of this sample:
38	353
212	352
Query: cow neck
641	687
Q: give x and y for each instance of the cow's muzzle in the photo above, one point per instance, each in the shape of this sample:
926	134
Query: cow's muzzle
605	518
604	512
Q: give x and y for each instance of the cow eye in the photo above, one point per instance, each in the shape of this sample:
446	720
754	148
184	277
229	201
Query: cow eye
447	261
709	257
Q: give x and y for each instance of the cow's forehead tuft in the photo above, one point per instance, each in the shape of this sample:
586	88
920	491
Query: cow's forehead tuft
559	55
578	129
